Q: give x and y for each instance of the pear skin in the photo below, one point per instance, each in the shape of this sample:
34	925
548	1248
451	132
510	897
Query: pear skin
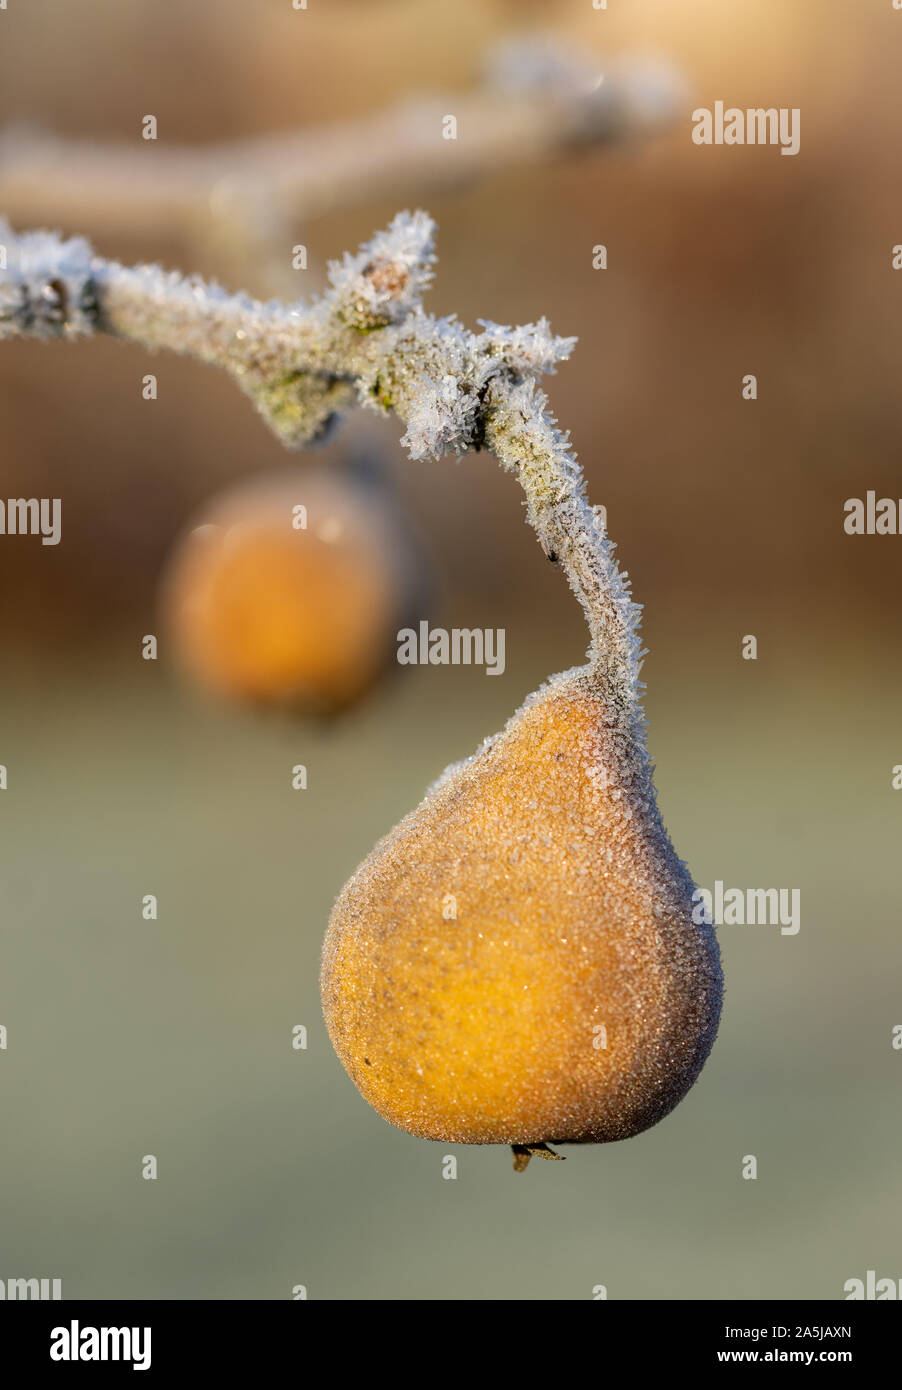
517	962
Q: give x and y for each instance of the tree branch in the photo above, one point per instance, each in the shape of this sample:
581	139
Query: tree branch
537	96
366	340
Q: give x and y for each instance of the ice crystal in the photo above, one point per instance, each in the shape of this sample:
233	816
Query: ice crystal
46	288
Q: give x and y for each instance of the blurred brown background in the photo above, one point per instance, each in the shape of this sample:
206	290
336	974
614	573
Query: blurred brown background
175	1039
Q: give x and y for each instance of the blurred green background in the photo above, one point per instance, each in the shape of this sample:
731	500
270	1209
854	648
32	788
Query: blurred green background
174	1038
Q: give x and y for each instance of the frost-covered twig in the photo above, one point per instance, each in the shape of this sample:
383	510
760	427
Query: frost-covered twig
366	340
537	96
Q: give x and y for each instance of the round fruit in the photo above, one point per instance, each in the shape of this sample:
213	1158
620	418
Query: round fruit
289	591
517	961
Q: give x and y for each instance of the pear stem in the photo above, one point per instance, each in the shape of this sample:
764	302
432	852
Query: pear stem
524	1152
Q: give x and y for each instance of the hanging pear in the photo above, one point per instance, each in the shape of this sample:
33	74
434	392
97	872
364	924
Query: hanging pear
521	960
288	589
517	962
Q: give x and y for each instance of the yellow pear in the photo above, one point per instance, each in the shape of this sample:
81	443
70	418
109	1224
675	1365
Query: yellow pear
289	590
517	961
